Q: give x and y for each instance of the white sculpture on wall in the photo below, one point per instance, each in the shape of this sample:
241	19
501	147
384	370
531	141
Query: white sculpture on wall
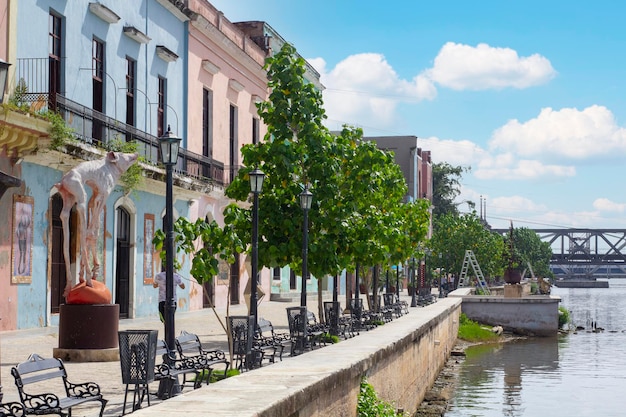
101	176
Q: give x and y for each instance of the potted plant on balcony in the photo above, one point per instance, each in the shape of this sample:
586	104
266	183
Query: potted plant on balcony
513	260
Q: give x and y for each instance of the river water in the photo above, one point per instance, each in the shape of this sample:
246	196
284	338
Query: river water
580	374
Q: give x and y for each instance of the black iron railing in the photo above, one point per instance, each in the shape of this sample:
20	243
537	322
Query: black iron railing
93	127
97	128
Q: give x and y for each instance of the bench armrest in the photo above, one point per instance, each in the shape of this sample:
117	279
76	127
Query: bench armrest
41	402
83	390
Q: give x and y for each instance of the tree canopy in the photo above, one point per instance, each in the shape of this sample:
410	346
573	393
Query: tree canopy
446	187
357	215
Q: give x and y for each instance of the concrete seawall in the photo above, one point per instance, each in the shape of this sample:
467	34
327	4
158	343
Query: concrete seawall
400	359
534	315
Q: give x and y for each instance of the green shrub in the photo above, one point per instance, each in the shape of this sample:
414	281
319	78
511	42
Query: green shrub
330	338
474	332
216	375
563	317
133	177
369	405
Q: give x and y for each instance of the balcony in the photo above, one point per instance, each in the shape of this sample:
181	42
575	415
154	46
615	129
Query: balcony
98	129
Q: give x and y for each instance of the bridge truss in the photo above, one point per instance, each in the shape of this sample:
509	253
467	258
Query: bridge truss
585	253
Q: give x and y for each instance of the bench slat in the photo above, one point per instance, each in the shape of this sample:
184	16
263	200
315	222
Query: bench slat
42	377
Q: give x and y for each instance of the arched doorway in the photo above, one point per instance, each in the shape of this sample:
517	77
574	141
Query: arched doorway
122	264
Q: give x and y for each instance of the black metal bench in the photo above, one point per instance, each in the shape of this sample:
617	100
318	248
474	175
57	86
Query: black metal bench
344	324
43	371
399	307
204	360
303	336
12	409
170	368
266	336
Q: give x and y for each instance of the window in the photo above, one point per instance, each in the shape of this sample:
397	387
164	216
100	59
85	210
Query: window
97	75
131	68
276	274
207	123
55	46
232	160
97	59
162	94
255	130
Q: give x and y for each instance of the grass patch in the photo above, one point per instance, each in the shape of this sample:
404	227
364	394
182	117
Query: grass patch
472	331
329	338
369	405
563	317
217	375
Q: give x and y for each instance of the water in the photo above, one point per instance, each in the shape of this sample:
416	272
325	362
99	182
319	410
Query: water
581	374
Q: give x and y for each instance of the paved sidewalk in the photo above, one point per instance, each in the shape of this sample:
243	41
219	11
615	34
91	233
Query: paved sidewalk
17	345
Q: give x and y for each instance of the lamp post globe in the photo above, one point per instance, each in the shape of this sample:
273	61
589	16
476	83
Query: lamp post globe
306	199
256	186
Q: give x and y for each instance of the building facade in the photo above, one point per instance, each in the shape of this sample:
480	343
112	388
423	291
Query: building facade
119	71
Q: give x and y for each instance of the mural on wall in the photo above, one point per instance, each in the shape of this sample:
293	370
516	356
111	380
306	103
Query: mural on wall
22	239
148	248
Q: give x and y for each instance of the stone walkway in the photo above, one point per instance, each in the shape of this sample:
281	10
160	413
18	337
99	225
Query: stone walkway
17	345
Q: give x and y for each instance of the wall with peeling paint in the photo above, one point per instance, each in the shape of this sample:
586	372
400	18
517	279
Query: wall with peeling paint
26	305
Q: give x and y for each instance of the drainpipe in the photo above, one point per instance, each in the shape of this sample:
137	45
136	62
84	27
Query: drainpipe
414	173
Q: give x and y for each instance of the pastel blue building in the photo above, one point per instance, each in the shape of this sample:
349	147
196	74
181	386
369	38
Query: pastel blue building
116	72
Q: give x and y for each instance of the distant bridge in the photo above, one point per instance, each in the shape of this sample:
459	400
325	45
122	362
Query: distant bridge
585	253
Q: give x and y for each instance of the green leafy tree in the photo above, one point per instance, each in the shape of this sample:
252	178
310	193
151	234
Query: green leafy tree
530	249
453	235
446	187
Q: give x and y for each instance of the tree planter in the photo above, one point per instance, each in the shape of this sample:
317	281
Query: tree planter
411	290
512	276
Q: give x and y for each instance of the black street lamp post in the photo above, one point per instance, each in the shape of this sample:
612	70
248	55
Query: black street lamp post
440	277
306	198
413	295
169	145
256	185
398	282
334	322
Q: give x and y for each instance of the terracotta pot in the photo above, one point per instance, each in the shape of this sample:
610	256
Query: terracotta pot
512	276
410	290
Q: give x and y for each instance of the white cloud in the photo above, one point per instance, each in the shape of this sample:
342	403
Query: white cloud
515	204
364	88
454	152
507	167
606	205
465	67
568	132
486	165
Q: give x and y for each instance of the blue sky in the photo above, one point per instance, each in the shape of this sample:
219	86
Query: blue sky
529	94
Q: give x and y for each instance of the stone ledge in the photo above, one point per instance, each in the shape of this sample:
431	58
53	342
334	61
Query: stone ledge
87	355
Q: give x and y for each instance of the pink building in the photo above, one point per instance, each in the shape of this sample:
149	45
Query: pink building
226	80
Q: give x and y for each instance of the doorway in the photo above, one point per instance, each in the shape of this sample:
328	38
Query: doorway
122	267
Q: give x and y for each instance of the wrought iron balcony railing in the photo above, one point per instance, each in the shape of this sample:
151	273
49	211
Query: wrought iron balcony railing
96	128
